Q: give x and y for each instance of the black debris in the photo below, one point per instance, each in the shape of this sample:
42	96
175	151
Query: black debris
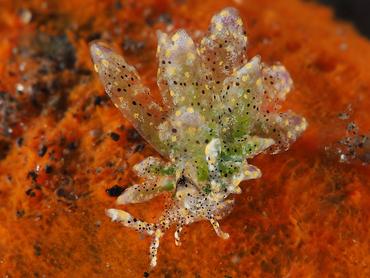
42	151
72	146
139	148
115	190
19	141
48	169
114	136
32	175
30	192
133	136
131	46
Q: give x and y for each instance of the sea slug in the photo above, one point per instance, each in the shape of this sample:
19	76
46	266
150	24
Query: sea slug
218	110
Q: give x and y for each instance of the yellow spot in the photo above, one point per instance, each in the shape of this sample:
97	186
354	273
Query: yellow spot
136	115
300	127
158	233
172	93
218	26
190	110
259	82
167	53
178	113
190	56
171	70
98	52
239	21
237	180
229	48
245	78
173	138
237	190
175	37
252	174
192	130
105	63
248	66
187	74
225	13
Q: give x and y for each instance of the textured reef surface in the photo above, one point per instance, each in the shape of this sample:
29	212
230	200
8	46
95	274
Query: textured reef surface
353	146
67	153
218	110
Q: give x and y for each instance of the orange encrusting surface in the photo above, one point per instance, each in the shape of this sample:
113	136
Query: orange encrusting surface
308	216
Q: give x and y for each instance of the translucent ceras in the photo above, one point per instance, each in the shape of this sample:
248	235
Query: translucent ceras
218	110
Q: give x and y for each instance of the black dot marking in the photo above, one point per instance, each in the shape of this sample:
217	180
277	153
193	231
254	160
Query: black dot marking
115	136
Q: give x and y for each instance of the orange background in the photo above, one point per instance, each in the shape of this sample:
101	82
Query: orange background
308	216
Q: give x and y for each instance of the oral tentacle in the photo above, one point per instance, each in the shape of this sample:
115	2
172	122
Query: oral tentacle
131	222
217	228
154	247
177	234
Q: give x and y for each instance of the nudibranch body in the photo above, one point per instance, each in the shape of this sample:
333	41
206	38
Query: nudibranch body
218	109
